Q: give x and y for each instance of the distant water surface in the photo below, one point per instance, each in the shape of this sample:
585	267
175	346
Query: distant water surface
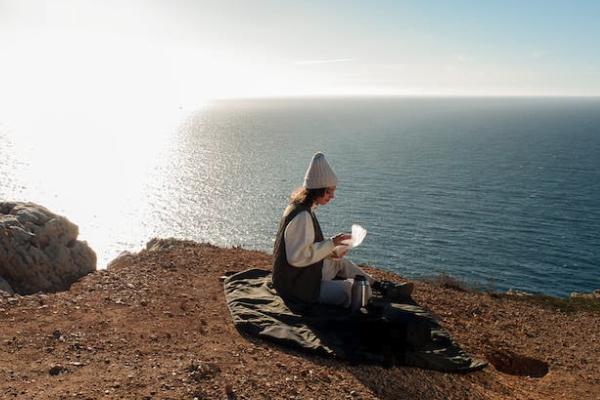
501	192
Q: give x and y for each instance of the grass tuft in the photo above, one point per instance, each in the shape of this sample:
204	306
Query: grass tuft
563	304
448	282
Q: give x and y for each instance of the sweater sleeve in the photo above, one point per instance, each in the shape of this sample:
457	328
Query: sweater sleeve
300	246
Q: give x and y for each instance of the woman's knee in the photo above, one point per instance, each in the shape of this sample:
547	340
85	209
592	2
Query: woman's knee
337	292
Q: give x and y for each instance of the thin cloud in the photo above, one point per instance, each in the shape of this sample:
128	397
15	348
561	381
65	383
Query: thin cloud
326	61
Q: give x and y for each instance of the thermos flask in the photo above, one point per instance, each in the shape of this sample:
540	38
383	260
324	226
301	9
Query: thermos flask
360	292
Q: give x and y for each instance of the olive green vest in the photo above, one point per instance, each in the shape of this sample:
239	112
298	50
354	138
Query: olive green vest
296	283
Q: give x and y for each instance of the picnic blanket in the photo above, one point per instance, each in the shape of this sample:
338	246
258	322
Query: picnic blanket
386	333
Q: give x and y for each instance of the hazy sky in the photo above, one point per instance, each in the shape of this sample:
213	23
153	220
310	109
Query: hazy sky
181	52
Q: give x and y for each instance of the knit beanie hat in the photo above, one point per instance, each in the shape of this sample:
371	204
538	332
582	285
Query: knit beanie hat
319	174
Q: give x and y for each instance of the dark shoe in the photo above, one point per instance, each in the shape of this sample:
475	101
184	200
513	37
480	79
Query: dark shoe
401	291
394	292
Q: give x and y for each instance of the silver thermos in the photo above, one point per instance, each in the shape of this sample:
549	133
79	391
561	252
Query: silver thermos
360	293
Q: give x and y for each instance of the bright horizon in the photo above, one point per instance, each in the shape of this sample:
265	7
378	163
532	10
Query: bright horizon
81	53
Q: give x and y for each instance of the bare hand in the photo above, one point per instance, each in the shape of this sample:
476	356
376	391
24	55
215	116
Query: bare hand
340	237
341	251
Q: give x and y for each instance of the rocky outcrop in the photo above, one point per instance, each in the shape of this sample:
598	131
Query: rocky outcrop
39	250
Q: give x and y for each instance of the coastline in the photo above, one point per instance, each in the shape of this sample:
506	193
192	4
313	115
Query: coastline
456	190
155	325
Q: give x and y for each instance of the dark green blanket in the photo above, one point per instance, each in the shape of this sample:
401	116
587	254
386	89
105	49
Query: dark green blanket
386	333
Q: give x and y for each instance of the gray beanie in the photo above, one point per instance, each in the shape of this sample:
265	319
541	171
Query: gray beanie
319	174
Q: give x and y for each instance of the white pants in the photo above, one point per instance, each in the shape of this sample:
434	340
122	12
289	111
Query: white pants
339	292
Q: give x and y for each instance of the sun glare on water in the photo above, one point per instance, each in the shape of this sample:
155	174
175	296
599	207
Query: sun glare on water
89	115
92	167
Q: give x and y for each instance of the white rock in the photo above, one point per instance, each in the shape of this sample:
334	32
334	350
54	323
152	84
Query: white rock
518	293
583	296
39	250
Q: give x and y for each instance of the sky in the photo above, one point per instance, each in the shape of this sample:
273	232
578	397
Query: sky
177	53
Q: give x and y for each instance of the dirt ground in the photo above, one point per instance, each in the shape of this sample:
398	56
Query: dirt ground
155	325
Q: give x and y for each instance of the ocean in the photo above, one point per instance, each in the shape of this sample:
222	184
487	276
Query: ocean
498	192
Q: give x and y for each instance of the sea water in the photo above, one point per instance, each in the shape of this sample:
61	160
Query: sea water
502	192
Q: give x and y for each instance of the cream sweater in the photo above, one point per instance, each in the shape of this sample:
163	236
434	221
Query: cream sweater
300	246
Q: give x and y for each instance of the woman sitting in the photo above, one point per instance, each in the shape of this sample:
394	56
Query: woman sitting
305	264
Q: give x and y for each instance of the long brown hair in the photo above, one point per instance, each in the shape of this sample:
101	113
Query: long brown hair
306	196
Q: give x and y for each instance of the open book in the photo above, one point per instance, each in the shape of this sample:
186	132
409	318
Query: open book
358	235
